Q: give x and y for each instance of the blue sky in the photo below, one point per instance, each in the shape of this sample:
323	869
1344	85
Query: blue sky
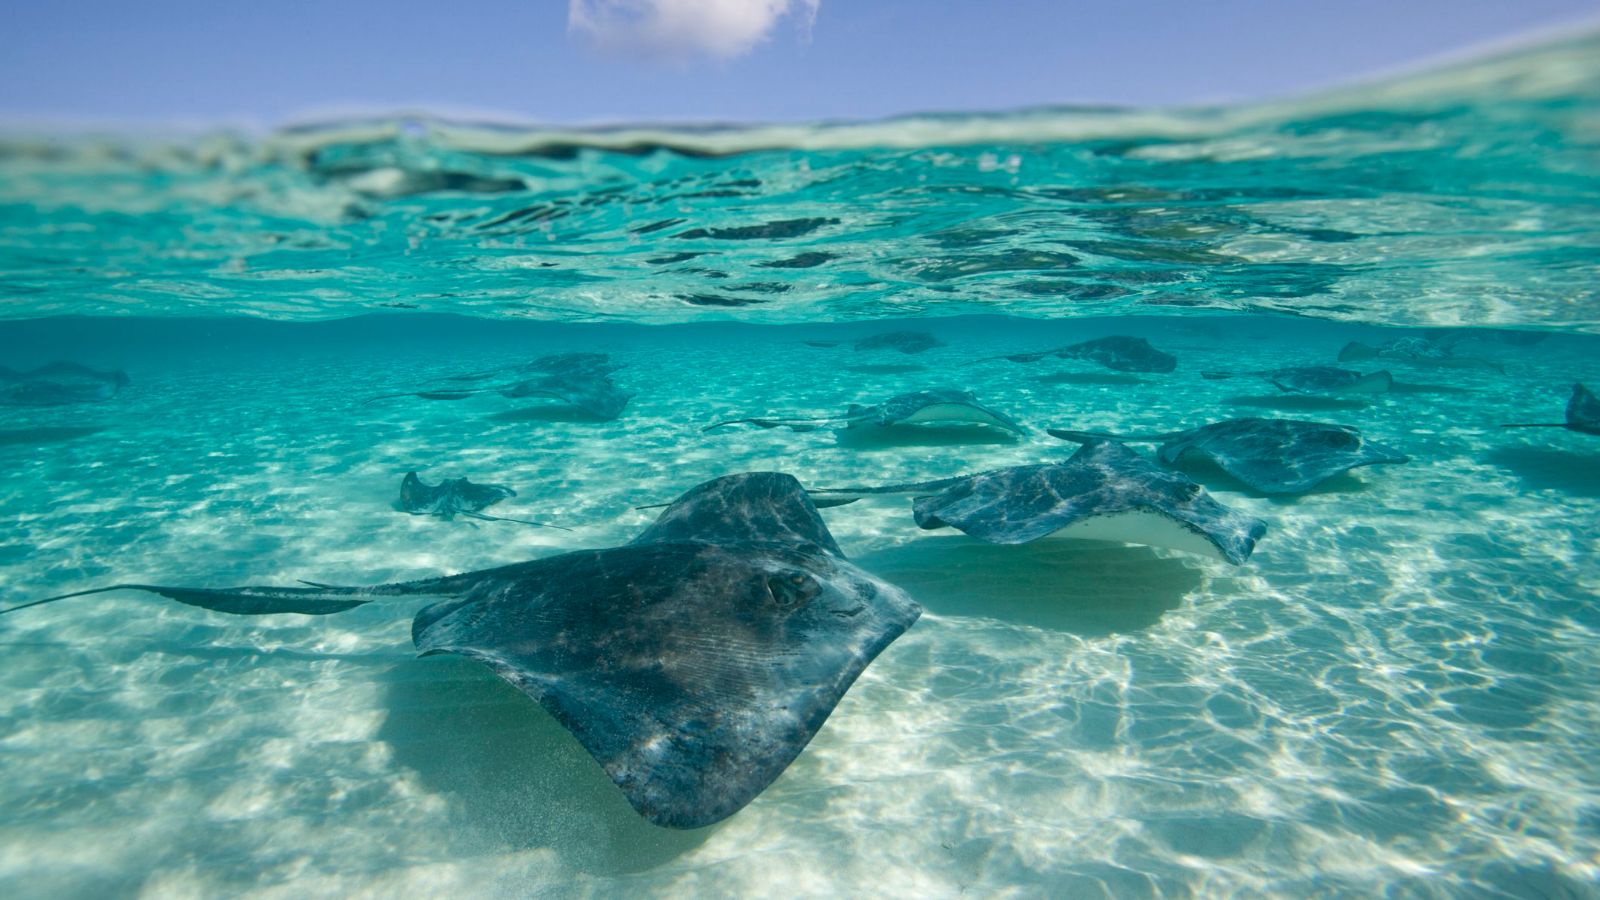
211	61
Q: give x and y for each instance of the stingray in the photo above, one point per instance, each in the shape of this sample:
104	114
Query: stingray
1583	414
1317	380
694	663
1118	352
59	384
588	389
1417	351
937	406
1273	456
456	496
1105	491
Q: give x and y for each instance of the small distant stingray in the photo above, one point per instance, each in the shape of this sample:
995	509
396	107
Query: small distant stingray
694	663
904	341
1104	492
582	380
1118	352
59	384
456	496
1417	351
1273	456
1317	380
938	406
1583	414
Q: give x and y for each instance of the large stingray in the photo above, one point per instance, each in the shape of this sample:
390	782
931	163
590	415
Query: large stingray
1274	456
1583	414
1417	351
938	406
456	496
694	662
58	384
1105	491
1317	380
1119	352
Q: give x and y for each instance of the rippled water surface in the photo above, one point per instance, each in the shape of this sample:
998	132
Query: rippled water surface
1396	694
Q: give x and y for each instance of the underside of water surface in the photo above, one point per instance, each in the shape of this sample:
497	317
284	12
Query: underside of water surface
1395	694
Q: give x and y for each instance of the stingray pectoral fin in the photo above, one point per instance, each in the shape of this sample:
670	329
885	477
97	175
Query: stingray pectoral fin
320	600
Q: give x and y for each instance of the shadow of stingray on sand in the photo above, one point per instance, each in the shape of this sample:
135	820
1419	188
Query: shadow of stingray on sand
1300	402
1087	588
1543	468
29	437
514	776
559	413
873	437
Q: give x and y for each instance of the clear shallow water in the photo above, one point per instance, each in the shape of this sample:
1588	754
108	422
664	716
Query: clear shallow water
1395	694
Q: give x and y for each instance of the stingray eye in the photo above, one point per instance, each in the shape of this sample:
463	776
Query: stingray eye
791	590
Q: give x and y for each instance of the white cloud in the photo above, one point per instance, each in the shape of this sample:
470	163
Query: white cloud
680	29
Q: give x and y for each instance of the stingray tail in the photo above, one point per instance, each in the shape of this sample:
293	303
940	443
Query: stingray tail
1534	425
1084	437
1222	376
769	423
429	395
312	600
489	518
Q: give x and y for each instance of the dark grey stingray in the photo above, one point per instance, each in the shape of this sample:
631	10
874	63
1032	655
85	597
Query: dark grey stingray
1118	352
1104	492
1274	456
937	406
456	496
1318	380
694	663
1417	351
59	384
1583	414
586	387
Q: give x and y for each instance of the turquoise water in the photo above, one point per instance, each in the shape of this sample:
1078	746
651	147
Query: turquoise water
1395	695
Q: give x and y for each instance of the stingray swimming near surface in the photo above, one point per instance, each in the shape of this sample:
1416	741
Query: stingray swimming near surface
59	384
1118	352
1583	414
694	663
581	380
1417	351
941	406
456	496
1273	456
1105	491
1317	380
